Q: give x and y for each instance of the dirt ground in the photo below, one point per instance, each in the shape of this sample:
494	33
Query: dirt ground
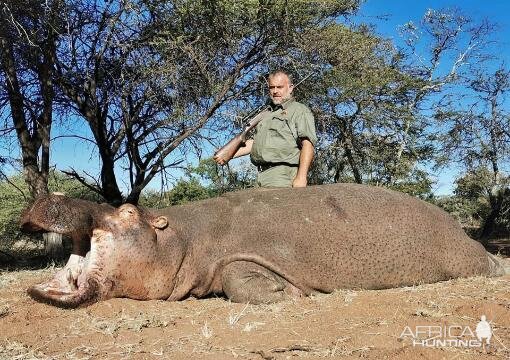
383	324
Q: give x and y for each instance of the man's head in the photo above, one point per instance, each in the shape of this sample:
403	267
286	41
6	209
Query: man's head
280	86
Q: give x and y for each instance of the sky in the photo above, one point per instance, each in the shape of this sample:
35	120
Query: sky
401	11
386	16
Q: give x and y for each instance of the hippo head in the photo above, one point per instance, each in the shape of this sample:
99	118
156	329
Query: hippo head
121	261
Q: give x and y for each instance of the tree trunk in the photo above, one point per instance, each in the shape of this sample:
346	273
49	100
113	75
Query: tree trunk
133	197
32	127
490	221
109	187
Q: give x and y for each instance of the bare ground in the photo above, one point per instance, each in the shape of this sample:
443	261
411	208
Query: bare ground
345	324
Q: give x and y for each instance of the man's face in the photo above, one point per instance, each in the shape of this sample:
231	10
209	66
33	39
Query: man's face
280	88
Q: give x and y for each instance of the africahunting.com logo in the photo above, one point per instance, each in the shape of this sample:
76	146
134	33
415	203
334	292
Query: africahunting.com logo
450	335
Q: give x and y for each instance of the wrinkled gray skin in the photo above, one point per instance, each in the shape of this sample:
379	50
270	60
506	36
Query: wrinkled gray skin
266	245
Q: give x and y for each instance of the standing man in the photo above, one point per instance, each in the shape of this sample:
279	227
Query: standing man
282	147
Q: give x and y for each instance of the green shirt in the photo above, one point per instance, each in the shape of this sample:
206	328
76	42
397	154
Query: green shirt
278	135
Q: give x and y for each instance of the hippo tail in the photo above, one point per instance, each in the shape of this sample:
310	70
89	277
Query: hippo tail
496	266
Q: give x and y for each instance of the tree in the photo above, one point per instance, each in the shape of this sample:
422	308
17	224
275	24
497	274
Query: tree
28	38
479	139
374	101
147	77
362	110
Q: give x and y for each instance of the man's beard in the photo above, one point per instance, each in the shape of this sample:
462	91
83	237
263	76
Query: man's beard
280	100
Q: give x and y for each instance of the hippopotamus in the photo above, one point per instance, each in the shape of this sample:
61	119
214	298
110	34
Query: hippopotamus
259	245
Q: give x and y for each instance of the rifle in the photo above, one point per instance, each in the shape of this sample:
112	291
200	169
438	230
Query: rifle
227	151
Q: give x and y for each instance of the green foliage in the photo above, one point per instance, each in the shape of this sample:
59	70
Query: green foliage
186	191
489	197
470	213
223	179
504	218
476	201
368	126
374	100
417	183
13	199
153	199
183	192
474	136
474	185
216	181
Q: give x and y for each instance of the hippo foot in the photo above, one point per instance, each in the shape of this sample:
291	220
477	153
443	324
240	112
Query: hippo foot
65	280
247	282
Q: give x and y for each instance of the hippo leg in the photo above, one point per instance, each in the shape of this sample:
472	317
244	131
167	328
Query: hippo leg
245	282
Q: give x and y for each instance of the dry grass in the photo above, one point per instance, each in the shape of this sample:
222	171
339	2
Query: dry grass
13	350
346	323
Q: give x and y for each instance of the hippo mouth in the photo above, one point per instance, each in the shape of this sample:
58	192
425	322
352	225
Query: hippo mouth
85	294
79	283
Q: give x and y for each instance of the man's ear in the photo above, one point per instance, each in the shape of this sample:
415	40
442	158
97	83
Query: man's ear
160	222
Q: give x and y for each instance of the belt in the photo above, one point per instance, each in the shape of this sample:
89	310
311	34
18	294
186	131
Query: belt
266	166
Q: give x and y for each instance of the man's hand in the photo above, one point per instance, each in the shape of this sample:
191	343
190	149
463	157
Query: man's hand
219	160
245	149
299	182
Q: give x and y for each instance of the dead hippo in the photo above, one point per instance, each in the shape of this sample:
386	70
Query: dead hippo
265	245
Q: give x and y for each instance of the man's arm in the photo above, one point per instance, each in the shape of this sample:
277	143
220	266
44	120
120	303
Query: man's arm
305	160
243	150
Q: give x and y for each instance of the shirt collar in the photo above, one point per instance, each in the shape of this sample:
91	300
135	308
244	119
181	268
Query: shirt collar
283	106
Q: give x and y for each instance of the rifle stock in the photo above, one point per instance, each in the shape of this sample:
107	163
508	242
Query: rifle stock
227	151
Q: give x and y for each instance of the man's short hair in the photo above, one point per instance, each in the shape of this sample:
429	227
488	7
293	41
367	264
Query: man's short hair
280	71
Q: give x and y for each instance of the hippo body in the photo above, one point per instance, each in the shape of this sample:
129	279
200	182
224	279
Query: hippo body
265	245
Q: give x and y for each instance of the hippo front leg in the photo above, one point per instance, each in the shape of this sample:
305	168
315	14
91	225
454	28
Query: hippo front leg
245	281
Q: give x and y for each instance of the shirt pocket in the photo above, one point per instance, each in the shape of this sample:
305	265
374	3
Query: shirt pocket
280	133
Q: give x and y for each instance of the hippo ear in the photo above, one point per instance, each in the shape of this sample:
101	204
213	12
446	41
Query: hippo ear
160	222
